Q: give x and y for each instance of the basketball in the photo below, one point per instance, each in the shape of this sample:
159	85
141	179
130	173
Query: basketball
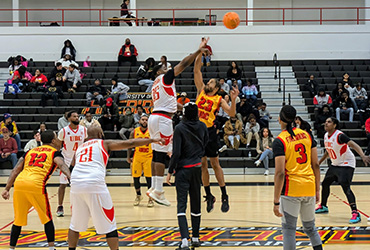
231	20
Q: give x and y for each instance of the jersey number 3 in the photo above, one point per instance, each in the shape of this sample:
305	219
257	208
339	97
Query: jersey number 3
301	149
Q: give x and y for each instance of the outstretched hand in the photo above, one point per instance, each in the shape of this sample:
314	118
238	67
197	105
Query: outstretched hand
204	43
159	141
366	160
234	93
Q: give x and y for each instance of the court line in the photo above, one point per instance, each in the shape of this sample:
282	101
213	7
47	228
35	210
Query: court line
29	211
349	205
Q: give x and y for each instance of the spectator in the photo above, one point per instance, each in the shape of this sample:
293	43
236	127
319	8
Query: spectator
139	113
250	91
165	64
251	130
72	79
144	74
14	66
360	97
66	61
367	129
125	13
207	58
89	121
302	124
264	149
68	49
57	74
222	116
128	53
22	78
243	109
118	90
42	127
346	80
35	142
63	121
110	115
183	99
234	73
12	127
38	82
224	86
365	114
8	148
127	123
311	86
52	92
338	91
344	105
96	93
350	90
321	99
319	125
233	132
265	116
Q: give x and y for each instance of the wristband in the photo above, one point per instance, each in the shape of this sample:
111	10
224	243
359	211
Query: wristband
277	203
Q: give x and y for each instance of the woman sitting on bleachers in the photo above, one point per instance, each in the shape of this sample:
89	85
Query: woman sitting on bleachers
234	73
324	114
347	80
360	97
320	100
251	92
338	91
38	82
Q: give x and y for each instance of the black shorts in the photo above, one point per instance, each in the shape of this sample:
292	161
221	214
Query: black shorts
342	175
213	143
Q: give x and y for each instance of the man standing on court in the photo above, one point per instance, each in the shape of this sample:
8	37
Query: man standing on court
89	194
209	102
189	141
30	176
72	136
297	180
160	122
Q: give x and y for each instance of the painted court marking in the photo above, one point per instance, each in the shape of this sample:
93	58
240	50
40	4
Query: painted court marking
345	202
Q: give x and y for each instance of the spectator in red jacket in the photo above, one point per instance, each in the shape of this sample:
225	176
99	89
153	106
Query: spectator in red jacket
8	148
128	53
38	82
367	129
207	58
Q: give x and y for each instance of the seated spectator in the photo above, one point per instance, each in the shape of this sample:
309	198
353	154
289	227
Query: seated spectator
89	121
222	116
207	58
125	13
311	86
264	149
319	125
57	74
66	61
346	80
320	100
234	73
68	49
338	91
118	90
12	127
243	109
139	113
360	97
38	82
302	124
52	92
96	93
72	79
344	105
8	148
250	91
63	121
251	130
144	74
109	115
224	86
22	78
127	122
233	132
127	53
165	64
14	66
42	127
351	90
367	129
35	142
183	99
265	116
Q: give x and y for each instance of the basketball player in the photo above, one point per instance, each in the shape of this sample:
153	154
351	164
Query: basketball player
30	176
142	159
209	102
160	122
72	136
343	164
297	180
89	194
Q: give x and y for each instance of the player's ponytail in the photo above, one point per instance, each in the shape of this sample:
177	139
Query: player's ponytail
287	115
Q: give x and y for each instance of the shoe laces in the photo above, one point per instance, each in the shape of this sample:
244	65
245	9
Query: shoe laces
354	215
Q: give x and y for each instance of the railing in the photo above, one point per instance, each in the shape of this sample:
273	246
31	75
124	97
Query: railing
248	16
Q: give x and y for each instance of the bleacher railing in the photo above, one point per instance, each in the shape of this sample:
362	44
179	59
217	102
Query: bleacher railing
198	16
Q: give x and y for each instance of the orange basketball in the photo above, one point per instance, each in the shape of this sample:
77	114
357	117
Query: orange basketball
231	20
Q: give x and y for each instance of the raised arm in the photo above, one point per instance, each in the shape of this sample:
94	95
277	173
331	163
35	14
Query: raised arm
13	175
230	110
198	77
115	145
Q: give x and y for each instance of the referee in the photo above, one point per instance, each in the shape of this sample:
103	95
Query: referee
189	140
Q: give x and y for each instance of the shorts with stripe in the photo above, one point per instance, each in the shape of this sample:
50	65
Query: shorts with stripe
160	126
140	165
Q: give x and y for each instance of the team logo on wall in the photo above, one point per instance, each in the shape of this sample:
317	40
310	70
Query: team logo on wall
217	237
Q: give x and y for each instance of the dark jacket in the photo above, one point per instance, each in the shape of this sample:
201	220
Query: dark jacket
244	109
113	110
143	73
231	75
127	121
189	141
341	103
100	89
56	73
311	86
51	90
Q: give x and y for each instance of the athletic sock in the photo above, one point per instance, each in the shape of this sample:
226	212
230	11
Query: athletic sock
184	242
71	248
159	184
353	206
319	247
51	248
195	239
208	190
223	191
154	181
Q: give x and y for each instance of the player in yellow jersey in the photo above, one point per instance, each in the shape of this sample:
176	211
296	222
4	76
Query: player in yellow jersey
209	102
30	176
141	162
297	180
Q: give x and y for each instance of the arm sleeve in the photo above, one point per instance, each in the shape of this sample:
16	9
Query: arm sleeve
278	147
176	151
343	138
169	77
58	154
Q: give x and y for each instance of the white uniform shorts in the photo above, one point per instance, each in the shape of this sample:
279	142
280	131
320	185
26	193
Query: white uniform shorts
98	206
160	126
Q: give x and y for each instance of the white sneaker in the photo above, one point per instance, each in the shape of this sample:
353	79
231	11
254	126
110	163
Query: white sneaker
266	172
159	198
137	200
368	219
257	163
149	191
222	149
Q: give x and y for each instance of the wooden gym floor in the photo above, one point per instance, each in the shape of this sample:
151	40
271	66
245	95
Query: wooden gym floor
250	217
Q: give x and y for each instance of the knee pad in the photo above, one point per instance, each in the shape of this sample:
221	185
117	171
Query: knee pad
113	234
159	157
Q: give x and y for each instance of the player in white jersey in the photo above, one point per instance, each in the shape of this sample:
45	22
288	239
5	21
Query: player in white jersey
72	136
343	164
89	194
160	122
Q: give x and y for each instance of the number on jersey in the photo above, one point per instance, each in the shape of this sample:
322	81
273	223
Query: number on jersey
37	160
301	149
84	157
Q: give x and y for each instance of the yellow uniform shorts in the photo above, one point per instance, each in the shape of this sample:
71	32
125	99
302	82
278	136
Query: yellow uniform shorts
140	165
